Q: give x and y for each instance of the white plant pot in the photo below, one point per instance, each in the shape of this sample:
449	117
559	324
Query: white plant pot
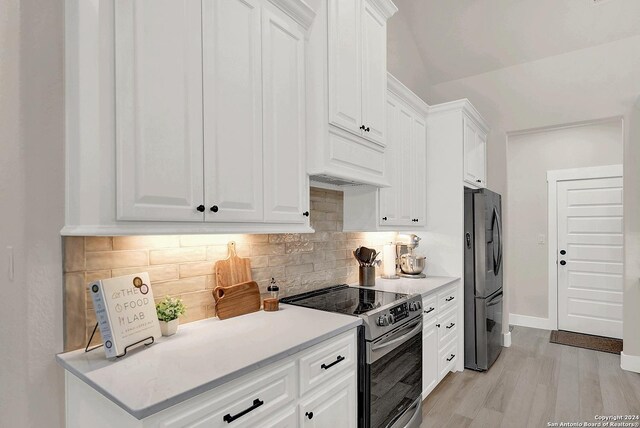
169	328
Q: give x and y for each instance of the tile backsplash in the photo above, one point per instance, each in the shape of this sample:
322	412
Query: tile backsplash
182	265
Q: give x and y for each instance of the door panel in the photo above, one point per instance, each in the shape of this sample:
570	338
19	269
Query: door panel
419	170
487	209
159	110
345	64
233	110
334	406
488	330
284	118
404	177
374	73
389	195
590	283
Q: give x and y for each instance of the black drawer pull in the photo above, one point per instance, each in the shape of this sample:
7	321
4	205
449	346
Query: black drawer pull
451	325
450	298
451	357
309	415
430	310
256	403
327	367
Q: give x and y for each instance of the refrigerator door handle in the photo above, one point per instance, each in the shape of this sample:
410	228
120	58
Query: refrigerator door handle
497	246
495	300
499	224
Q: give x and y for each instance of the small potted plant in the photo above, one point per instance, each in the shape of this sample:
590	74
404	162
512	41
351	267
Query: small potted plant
169	309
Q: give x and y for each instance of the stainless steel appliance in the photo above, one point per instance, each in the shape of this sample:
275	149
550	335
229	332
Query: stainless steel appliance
390	351
482	278
409	265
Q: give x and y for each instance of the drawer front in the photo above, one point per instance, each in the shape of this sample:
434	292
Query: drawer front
429	307
448	327
447	299
288	419
327	360
448	359
243	403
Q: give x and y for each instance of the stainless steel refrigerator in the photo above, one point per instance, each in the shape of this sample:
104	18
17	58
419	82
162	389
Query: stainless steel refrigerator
482	278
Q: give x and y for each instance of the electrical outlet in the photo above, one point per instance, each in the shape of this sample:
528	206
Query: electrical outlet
541	239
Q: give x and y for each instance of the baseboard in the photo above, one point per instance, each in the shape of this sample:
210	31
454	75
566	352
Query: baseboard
533	322
506	340
630	363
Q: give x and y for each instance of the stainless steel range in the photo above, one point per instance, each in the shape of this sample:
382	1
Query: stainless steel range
390	350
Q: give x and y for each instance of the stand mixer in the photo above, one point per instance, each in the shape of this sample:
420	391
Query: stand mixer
408	265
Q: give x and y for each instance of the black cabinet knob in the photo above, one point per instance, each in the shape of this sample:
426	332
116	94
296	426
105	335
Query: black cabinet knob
479	181
367	129
306	213
438	325
362	127
562	262
214	209
200	208
563	252
384	218
309	415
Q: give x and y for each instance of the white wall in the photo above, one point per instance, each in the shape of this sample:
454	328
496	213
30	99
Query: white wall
529	157
32	195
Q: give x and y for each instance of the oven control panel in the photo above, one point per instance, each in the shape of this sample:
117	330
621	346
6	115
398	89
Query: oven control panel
399	312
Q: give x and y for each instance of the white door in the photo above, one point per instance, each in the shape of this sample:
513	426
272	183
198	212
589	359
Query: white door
474	146
388	196
481	159
159	110
590	256
345	64
429	357
232	110
333	406
374	73
404	143
419	170
285	179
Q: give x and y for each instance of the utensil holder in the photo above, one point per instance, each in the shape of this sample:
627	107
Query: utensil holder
367	276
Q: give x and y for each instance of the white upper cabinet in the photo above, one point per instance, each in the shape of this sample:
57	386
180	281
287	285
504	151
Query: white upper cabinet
374	73
346	90
233	148
285	179
200	129
159	76
475	149
403	205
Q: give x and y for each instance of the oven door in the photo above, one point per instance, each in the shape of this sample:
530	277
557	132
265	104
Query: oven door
394	366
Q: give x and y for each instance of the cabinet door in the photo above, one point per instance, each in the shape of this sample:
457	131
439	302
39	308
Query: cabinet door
374	73
474	154
285	178
159	110
388	196
232	110
429	357
419	170
333	406
404	143
481	161
345	64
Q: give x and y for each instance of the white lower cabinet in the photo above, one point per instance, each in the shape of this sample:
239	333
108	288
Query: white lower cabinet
313	388
439	337
332	406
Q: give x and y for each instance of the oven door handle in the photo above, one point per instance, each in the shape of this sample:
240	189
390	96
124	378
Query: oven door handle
416	328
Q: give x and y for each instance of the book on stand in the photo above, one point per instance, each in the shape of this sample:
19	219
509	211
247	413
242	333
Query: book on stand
125	311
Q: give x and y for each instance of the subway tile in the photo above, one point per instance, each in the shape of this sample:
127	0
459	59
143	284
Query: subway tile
324	206
337	255
284	237
298	247
96	275
259	261
284	260
267	249
75	296
193	313
116	259
177	255
98	243
298	269
260	274
325	226
180	286
145	242
73	253
196	269
156	272
197	298
205	240
218	252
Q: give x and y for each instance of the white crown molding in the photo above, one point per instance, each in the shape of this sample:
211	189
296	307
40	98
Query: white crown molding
399	89
463	105
385	7
298	10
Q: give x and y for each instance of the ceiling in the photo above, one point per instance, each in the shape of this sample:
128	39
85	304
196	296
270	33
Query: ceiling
461	38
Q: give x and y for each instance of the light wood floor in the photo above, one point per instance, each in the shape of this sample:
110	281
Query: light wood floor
534	382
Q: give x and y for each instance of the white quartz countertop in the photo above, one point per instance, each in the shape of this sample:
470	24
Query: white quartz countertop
421	286
202	355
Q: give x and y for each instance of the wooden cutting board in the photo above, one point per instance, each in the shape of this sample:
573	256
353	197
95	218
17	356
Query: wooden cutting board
236	300
232	270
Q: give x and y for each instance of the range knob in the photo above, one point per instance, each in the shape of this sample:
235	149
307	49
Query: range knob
414	306
382	321
391	319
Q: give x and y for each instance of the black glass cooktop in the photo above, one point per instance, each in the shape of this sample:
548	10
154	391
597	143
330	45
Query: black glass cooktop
344	299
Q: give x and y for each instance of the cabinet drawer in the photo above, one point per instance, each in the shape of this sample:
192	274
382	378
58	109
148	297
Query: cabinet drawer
333	406
429	307
328	360
448	329
241	404
448	359
447	298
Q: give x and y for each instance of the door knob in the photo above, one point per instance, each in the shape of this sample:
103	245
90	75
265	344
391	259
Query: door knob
306	213
214	209
384	218
563	252
200	208
562	262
